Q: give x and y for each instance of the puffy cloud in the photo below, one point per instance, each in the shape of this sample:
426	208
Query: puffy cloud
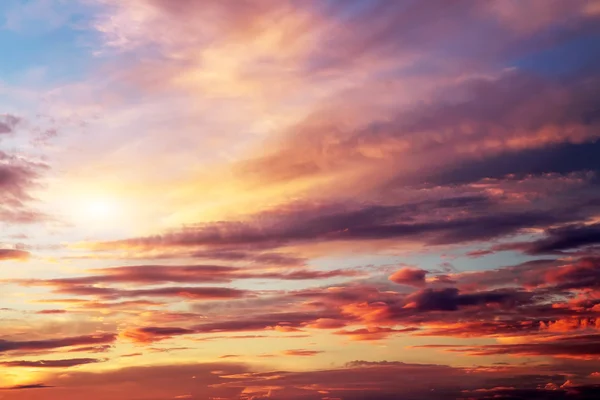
409	276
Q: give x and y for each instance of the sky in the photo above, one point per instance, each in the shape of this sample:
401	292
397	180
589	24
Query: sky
299	200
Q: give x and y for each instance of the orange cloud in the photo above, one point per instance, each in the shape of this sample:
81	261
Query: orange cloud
409	276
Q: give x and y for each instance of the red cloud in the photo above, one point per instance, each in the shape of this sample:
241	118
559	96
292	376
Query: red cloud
373	333
301	352
46	312
13	254
153	334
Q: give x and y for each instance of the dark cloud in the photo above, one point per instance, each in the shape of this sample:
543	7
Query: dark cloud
73	362
570	237
450	299
47	344
199	293
31	386
152	382
229	356
492	328
515	123
546	276
411	381
309	224
393	380
155	274
574	346
561	158
283	322
581	274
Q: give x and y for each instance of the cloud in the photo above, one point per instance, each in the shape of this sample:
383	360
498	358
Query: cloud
450	299
19	176
164	382
301	352
229	356
562	158
546	275
302	224
409	276
471	329
199	293
153	334
24	387
372	128
373	333
442	141
73	362
47	344
575	346
8	123
51	312
569	237
385	380
13	254
155	274
91	349
280	322
378	380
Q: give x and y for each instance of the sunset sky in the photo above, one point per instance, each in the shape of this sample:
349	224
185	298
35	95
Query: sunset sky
299	199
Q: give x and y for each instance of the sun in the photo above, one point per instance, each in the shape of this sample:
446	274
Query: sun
101	208
96	210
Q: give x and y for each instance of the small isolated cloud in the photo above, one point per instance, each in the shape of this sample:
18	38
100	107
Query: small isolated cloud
30	386
13	254
409	276
301	352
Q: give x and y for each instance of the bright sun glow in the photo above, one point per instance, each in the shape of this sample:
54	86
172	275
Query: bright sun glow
102	208
97	210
